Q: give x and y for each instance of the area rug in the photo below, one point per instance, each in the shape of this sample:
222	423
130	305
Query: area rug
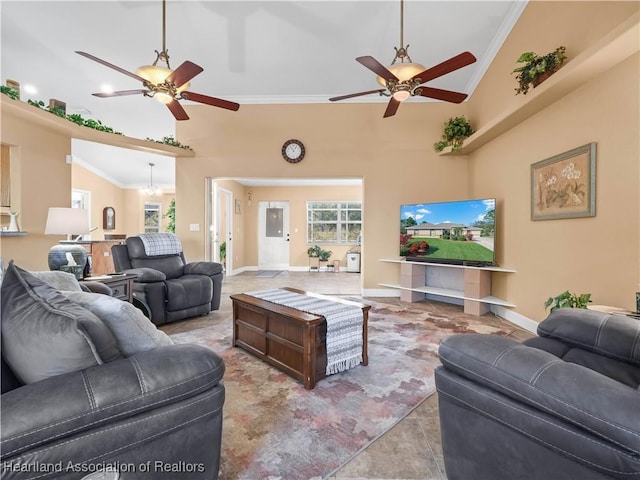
275	429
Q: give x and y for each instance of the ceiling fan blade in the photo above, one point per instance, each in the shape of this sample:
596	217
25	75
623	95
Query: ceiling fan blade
216	102
184	73
359	94
392	108
119	93
448	66
111	65
177	110
377	68
446	95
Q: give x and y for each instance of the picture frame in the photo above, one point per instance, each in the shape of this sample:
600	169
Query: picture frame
238	207
564	186
108	218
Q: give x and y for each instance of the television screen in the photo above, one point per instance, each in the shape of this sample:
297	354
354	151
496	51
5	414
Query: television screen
459	232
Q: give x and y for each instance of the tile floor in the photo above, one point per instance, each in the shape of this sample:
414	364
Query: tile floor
411	450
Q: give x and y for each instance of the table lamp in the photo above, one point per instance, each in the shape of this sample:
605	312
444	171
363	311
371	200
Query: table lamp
68	221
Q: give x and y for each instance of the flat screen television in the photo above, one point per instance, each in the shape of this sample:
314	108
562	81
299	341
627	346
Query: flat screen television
460	232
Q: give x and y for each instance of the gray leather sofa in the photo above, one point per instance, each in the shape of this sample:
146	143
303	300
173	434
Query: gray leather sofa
562	405
172	288
151	414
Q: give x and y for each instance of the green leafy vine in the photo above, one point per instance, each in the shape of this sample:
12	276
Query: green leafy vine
169	140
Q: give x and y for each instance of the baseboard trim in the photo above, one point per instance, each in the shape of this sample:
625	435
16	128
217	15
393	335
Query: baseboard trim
380	292
515	318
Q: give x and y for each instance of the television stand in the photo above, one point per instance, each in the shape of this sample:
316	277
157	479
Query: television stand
446	282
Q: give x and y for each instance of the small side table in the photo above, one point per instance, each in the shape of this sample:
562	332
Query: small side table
120	283
608	309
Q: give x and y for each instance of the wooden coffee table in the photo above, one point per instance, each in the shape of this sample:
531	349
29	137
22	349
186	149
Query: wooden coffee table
291	340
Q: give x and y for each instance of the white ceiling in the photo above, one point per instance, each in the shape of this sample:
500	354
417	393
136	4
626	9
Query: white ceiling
293	51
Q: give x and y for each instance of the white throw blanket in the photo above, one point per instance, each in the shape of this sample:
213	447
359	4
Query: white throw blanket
344	325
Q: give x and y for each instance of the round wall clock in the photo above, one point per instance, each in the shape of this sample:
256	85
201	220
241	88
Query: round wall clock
293	151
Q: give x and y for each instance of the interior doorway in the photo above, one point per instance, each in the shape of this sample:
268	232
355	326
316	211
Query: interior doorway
221	230
273	234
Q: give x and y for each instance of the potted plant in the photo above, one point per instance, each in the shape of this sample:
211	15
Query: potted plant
454	132
568	300
314	251
537	69
325	255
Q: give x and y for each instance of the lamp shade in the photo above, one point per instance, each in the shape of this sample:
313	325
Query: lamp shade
67	221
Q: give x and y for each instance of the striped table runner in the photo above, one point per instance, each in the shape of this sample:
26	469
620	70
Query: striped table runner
344	325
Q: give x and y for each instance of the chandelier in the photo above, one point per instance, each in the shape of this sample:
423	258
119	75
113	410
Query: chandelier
151	189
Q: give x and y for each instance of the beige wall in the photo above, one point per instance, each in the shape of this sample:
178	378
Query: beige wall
297	198
41	179
394	157
598	255
103	194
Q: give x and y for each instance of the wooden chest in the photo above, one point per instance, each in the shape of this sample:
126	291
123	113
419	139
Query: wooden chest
291	340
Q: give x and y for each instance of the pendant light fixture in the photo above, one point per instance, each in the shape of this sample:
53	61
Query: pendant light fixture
151	189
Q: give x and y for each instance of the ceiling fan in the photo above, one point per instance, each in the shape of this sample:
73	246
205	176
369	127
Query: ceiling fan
405	79
165	85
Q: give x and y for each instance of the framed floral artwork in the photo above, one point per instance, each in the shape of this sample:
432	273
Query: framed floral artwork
564	186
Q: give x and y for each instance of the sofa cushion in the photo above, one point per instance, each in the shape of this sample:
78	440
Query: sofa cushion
614	336
44	334
188	291
133	331
59	280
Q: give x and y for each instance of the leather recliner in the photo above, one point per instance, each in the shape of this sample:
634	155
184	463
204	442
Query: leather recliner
562	405
172	288
155	414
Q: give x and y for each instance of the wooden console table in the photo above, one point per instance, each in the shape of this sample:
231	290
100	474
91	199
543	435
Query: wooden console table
100	254
291	340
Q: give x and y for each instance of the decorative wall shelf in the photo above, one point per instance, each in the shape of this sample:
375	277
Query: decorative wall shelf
467	283
612	49
42	117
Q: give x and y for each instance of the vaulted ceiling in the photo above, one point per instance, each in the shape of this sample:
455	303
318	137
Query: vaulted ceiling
293	51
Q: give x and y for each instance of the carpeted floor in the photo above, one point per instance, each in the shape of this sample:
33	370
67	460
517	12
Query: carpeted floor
274	428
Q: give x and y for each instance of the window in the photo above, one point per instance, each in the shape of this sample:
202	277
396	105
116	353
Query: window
152	217
334	222
82	199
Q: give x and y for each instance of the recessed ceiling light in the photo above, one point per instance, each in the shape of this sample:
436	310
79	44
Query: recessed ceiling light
105	88
30	89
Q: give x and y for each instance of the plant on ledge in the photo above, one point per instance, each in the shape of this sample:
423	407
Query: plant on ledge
10	92
537	69
169	140
455	131
568	300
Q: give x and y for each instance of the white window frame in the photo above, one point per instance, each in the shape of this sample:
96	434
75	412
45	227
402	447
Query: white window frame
152	207
340	224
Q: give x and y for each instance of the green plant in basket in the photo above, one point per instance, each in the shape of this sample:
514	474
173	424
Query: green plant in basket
537	68
568	300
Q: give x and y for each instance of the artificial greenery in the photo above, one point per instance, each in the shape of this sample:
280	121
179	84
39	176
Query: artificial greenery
325	255
568	300
171	215
10	92
169	140
535	66
454	132
59	112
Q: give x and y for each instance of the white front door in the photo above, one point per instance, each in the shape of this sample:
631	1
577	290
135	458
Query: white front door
273	236
221	235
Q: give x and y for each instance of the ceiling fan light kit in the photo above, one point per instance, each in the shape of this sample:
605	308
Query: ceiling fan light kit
164	84
405	78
